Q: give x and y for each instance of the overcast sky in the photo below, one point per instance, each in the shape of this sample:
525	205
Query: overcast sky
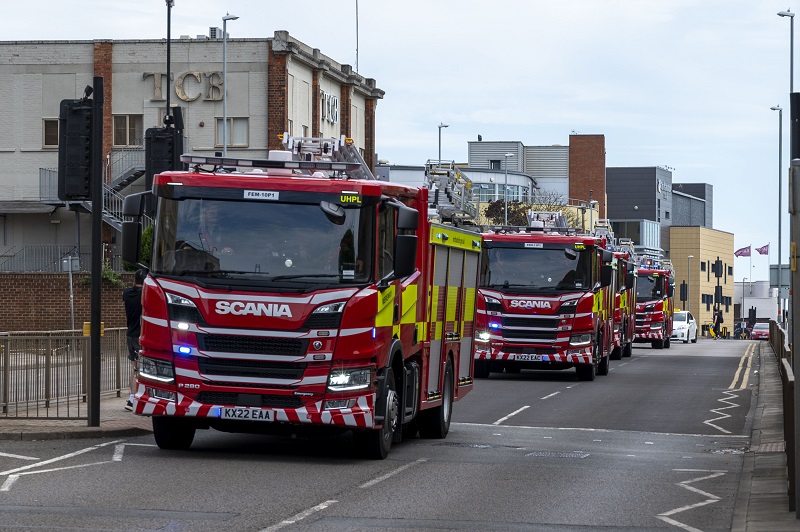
686	84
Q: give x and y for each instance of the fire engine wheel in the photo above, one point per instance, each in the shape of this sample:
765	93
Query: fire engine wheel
481	369
376	444
172	433
658	344
627	350
616	353
666	343
435	423
603	363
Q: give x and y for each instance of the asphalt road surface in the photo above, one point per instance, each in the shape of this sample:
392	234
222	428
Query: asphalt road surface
656	445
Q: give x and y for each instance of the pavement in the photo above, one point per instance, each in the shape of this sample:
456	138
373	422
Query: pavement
762	502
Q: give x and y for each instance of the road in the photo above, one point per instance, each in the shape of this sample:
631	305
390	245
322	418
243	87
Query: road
655	445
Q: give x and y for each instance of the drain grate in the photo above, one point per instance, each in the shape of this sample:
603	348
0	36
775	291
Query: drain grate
555	454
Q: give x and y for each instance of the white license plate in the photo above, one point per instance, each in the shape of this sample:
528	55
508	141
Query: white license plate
528	358
249	414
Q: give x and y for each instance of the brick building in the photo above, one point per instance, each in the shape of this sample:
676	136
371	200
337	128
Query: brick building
272	85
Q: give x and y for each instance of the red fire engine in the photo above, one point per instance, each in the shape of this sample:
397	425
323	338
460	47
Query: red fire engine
545	300
298	296
654	302
625	307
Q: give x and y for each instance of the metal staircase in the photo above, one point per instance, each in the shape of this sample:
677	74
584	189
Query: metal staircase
451	192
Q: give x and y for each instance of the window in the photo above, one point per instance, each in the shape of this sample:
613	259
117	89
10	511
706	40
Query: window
238	132
386	233
666	215
50	133
702	266
290	129
494	165
128	130
730	270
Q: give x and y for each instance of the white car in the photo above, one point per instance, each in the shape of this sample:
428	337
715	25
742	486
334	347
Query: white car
684	327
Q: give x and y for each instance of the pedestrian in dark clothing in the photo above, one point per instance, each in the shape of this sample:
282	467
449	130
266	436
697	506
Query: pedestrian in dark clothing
132	298
717	323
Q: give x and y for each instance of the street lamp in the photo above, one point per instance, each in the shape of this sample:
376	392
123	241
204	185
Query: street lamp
788	13
780	186
505	190
688	279
741	311
225	20
441	125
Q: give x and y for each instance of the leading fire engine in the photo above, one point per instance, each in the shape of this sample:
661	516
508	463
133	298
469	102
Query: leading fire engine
301	293
545	301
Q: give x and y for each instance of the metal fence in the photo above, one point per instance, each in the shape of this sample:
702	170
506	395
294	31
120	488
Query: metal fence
46	374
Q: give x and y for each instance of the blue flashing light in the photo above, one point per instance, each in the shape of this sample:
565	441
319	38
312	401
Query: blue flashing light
185	350
374	331
494	325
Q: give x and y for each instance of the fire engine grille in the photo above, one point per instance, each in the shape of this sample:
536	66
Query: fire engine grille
547	336
542	323
323	321
232	398
255	345
250	368
530	350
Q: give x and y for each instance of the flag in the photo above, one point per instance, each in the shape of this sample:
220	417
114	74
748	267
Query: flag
763	250
744	252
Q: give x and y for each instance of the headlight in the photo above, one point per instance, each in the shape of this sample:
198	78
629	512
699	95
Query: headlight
156	369
348	379
175	299
483	336
580	339
330	308
655	325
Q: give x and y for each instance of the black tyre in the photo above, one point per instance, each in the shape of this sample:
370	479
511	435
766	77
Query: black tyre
616	353
586	372
627	351
481	369
435	423
377	443
694	340
667	343
173	434
658	344
603	363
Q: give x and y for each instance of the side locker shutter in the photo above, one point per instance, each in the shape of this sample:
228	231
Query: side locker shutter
437	314
468	314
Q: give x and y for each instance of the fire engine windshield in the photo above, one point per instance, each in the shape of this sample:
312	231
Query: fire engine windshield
252	241
559	268
649	287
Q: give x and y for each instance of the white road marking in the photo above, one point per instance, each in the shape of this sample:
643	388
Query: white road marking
391	473
119	449
723	415
551	395
299	517
514	413
686	484
13	478
8	455
58	458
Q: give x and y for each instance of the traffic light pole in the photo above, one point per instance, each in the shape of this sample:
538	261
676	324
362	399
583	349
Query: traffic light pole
97	251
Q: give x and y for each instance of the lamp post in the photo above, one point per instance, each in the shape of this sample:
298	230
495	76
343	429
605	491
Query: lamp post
741	312
592	205
441	125
788	13
688	279
505	189
225	20
780	157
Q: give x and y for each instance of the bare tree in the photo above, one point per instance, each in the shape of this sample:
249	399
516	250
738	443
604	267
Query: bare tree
546	201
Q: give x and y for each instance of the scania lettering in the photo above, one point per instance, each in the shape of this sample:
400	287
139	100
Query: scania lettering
545	301
302	294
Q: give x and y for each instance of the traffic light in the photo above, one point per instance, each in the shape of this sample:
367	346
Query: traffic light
162	151
75	150
684	296
718	295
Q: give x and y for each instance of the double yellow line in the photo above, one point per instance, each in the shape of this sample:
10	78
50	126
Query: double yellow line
743	371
